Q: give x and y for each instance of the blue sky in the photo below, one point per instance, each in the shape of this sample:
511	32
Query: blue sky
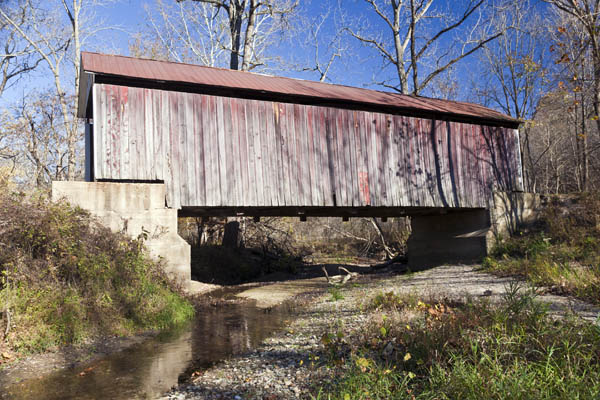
361	68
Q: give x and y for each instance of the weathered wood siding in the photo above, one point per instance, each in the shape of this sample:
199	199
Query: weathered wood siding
221	151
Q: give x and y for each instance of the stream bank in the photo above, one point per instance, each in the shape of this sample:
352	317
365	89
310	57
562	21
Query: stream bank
147	366
288	364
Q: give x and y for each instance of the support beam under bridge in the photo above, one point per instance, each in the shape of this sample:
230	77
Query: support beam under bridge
438	236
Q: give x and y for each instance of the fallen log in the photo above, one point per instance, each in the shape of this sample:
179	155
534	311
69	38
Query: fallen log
338	279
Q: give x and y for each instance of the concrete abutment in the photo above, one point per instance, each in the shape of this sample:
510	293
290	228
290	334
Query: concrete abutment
468	236
448	237
135	209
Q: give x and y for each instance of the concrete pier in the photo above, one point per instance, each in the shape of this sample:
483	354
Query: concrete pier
459	237
467	236
135	209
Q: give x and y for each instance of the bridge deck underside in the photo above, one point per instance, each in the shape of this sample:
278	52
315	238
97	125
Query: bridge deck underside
318	211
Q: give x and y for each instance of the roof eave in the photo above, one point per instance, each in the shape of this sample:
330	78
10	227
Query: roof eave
273	96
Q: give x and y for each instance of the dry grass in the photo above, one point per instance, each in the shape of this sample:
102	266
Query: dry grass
65	278
413	348
562	253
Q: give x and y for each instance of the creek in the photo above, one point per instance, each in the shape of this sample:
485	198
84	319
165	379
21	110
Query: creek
151	368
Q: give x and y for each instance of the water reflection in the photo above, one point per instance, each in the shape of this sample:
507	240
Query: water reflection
151	368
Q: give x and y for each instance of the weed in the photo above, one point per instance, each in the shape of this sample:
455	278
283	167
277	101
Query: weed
388	300
65	278
562	252
469	349
336	293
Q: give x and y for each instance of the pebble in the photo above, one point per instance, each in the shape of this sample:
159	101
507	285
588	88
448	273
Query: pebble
284	366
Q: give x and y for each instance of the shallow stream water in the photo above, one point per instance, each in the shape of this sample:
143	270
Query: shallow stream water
151	368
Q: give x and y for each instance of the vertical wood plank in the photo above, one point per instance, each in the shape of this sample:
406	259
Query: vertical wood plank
141	135
281	157
277	145
315	197
222	151
341	165
182	150
330	142
124	138
400	148
148	132
156	150
269	154
177	148
165	131
297	154
390	161
429	191
209	151
290	134
243	147
363	171
114	161
332	117
473	201
383	147
191	151
372	150
326	165
257	154
199	179
413	163
305	158
353	197
100	121
230	195
235	152
264	153
252	179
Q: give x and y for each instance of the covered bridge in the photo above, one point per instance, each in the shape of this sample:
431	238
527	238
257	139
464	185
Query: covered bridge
230	143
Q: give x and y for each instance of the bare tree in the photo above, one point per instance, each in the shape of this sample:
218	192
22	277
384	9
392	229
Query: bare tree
325	48
562	162
56	35
35	131
184	32
16	55
514	69
412	41
584	18
237	33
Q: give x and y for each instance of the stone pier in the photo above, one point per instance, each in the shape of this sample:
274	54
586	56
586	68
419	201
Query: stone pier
135	209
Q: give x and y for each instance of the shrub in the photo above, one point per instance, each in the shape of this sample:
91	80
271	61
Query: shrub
464	350
562	252
66	278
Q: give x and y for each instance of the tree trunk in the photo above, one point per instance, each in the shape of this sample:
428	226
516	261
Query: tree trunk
250	32
236	14
231	235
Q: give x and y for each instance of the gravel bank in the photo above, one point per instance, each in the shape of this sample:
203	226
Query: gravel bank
287	365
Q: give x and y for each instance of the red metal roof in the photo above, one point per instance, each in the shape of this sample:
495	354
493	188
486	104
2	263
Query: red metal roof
121	66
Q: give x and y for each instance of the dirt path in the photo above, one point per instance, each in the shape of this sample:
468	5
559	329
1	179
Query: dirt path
461	280
285	366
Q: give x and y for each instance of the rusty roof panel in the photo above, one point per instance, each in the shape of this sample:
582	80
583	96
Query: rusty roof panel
281	87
